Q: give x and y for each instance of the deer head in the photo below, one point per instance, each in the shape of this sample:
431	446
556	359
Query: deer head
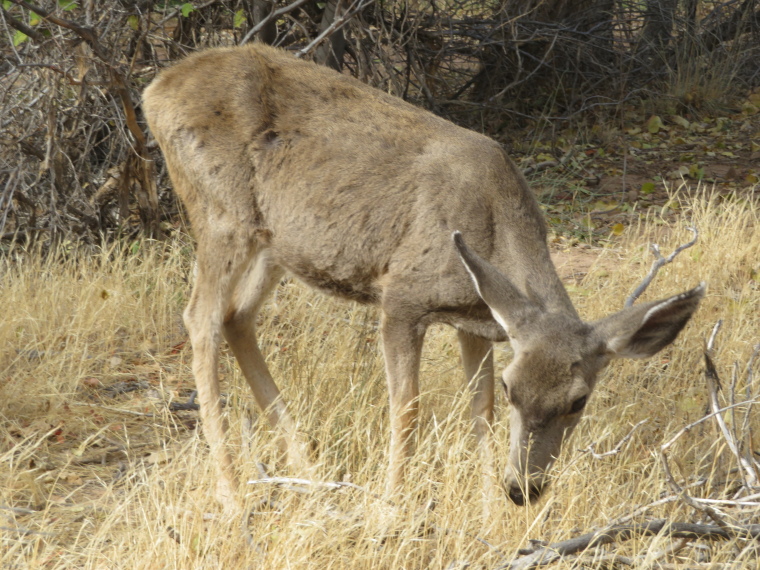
557	359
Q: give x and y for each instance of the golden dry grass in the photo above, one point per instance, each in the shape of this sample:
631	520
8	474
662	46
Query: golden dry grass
95	476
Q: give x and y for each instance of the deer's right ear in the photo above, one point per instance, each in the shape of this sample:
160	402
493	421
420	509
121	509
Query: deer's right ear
509	306
643	330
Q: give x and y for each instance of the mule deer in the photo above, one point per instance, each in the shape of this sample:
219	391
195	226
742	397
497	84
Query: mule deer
284	165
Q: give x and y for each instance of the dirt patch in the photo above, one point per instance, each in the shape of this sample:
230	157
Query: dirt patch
573	264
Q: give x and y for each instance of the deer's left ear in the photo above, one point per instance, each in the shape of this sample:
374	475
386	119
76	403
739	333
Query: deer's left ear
643	330
510	308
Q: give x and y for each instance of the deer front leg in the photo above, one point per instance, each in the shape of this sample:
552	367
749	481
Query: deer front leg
402	346
477	360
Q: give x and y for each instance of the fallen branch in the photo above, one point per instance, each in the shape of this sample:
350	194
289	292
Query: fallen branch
301	485
713	386
544	555
550	163
659	261
711	512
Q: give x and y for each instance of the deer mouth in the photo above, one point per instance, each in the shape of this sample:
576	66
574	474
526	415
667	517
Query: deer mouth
517	492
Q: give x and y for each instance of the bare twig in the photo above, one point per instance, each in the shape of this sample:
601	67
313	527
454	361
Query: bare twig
336	25
713	385
659	261
148	198
615	450
544	555
302	485
713	334
551	163
178	10
670	550
703	419
21	27
686	498
274	15
17	510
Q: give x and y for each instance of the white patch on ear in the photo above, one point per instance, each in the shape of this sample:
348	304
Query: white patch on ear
659	307
499	319
472	275
667	302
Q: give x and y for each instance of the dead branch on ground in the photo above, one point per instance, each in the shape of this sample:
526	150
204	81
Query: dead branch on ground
659	262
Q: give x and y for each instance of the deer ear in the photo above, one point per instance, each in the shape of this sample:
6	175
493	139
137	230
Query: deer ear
643	330
509	306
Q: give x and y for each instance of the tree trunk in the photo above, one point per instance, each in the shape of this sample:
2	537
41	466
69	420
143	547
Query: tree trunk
658	23
330	52
258	10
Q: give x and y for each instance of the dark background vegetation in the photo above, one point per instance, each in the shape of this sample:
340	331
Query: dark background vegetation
77	162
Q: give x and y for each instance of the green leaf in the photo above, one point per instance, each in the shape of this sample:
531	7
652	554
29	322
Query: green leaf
239	19
67	5
7	4
19	38
34	19
647	188
186	8
134	22
696	172
654	124
604	206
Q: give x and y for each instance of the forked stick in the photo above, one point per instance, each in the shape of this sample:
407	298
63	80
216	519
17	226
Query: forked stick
659	261
713	385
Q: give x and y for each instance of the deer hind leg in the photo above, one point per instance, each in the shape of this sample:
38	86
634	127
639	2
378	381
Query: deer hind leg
402	347
240	332
218	270
477	360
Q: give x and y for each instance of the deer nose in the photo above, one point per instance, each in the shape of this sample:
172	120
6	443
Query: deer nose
516	493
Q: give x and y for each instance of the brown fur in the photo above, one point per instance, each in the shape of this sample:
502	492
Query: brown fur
286	165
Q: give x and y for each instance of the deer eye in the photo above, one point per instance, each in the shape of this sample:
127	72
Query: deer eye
578	405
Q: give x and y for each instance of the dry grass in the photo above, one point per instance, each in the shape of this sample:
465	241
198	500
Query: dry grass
94	476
